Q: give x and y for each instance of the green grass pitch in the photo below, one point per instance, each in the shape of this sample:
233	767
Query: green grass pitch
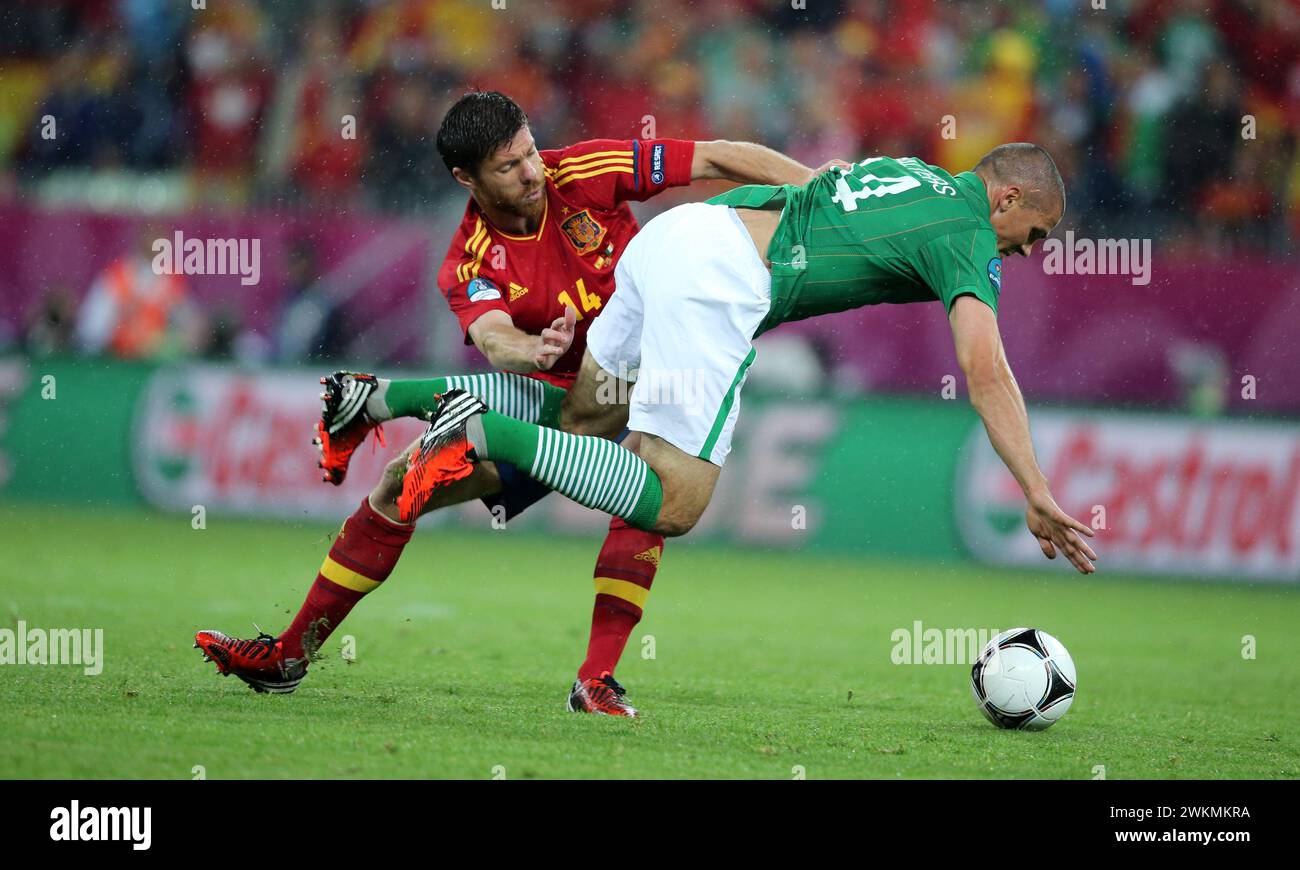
764	664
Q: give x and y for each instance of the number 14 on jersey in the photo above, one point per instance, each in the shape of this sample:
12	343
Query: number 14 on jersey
590	301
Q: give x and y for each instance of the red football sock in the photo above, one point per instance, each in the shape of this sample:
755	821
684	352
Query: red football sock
363	555
625	569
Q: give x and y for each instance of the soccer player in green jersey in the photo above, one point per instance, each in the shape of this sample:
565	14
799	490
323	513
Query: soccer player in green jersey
701	281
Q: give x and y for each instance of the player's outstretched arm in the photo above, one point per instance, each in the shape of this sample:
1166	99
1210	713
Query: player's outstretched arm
997	399
748	163
509	348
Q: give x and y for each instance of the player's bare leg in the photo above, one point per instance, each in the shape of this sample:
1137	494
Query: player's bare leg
596	404
688	483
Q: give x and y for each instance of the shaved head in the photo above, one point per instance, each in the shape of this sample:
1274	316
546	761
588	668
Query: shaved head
1029	167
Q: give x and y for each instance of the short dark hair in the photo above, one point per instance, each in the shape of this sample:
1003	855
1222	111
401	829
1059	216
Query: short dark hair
1030	166
477	125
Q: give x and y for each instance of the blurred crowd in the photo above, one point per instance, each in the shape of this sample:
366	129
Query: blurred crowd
1172	118
335	101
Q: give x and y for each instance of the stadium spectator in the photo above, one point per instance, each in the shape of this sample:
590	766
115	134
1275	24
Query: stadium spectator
52	331
401	170
228	90
313	129
310	327
133	312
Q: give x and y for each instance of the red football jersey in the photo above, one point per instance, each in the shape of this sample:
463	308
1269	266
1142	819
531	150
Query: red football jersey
570	259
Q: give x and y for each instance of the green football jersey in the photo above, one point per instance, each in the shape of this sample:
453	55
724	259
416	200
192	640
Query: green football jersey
884	230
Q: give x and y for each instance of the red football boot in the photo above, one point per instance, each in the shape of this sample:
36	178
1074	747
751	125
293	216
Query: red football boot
601	695
259	662
344	423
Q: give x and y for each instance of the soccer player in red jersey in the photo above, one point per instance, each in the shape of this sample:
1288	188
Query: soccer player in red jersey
530	267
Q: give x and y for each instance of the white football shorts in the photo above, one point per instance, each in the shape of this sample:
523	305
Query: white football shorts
690	292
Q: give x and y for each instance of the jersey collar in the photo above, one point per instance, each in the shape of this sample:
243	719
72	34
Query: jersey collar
976	193
541	227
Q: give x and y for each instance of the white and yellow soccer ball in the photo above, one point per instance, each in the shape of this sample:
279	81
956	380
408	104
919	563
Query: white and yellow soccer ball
1024	678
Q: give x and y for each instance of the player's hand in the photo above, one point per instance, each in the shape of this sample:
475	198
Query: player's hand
556	339
1057	530
829	164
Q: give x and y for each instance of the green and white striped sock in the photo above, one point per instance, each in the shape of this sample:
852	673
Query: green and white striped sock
526	399
592	471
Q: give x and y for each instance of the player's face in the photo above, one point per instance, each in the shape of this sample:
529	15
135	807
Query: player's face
1019	227
513	179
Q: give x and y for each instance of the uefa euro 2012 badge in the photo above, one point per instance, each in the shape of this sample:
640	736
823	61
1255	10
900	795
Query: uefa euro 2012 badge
995	273
482	290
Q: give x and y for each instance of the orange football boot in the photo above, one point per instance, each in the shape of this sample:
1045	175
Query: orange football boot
443	454
344	423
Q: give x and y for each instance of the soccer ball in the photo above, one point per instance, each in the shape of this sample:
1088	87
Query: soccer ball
1024	678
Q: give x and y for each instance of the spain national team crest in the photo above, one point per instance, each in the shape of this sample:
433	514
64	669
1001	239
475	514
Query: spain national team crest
583	231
